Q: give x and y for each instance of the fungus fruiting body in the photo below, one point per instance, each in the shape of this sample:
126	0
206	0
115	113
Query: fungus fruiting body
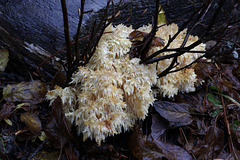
112	91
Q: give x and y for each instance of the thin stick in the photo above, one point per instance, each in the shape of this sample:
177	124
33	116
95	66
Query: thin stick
53	55
67	39
38	149
81	11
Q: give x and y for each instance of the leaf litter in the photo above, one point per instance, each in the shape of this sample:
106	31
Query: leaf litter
181	128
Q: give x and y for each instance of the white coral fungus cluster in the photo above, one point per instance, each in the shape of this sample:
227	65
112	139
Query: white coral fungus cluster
111	92
183	80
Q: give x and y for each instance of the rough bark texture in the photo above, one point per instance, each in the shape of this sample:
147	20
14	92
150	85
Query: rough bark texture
32	31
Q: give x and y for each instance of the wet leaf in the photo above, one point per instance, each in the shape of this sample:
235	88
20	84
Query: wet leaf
3	59
212	99
150	148
235	130
216	112
2	146
57	129
43	136
158	127
32	92
204	70
213	88
47	155
212	144
161	16
158	41
234	155
138	42
33	122
137	35
8	121
71	152
196	99
6	110
176	114
59	79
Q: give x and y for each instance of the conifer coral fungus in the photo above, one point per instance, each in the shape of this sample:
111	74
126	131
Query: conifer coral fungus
112	91
183	80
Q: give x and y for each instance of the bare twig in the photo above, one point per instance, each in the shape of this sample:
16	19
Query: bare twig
130	14
67	39
148	40
81	12
38	149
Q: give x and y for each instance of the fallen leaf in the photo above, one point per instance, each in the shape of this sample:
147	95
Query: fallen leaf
212	99
57	129
6	110
59	79
43	155
71	152
32	92
159	126
197	100
32	121
234	155
176	114
149	148
212	144
216	112
8	121
161	16
136	35
158	41
43	136
235	130
3	59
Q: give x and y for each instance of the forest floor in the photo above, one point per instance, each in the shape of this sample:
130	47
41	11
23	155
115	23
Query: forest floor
203	124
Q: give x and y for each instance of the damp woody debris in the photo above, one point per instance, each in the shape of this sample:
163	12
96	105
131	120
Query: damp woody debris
112	91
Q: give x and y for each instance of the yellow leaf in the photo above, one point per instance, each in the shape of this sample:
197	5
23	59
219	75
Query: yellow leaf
32	92
32	121
161	16
8	122
43	136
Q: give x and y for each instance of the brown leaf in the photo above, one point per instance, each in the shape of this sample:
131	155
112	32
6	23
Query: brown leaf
236	136
137	35
197	99
234	155
159	126
57	129
32	92
204	70
150	148
212	144
71	152
158	41
59	79
176	114
44	155
6	110
32	121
